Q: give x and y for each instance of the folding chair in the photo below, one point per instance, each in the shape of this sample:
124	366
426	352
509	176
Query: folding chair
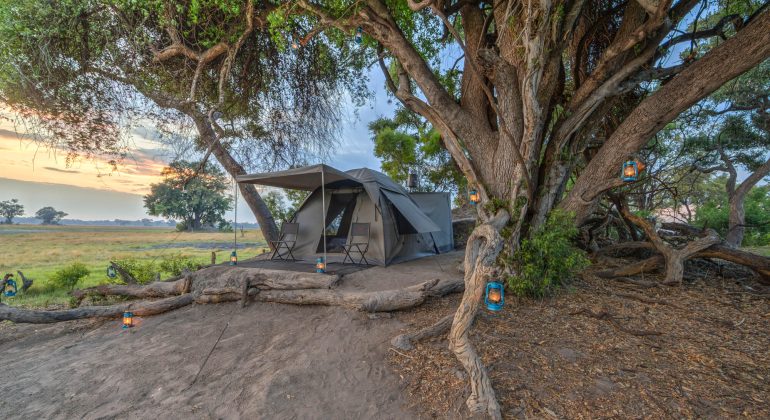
359	237
289	232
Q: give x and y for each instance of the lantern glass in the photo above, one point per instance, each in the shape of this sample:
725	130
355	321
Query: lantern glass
495	296
474	196
128	320
630	171
320	266
233	258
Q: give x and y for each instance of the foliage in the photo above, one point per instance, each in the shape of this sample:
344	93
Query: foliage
281	210
547	260
198	200
10	209
49	215
714	213
408	144
70	275
175	264
142	271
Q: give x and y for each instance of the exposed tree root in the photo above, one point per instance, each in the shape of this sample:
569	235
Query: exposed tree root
139	308
406	341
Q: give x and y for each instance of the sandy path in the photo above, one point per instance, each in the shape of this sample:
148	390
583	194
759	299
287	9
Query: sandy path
273	361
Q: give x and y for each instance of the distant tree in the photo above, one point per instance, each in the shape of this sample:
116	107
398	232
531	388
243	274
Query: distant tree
49	215
281	210
198	200
10	209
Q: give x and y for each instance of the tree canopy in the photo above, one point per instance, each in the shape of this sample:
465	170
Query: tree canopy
10	209
199	201
49	215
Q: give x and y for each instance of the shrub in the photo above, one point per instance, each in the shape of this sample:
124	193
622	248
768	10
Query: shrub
143	272
174	264
548	259
69	276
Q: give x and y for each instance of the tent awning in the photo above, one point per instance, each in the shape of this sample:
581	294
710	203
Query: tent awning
304	178
416	217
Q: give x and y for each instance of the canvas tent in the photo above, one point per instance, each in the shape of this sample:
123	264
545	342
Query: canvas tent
403	226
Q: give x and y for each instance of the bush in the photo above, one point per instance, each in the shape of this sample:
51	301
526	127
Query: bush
143	272
69	276
548	259
176	263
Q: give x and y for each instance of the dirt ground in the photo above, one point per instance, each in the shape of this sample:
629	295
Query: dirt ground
603	349
606	349
215	361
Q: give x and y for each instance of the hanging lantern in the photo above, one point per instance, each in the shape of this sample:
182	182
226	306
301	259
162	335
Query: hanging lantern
495	296
320	265
128	319
294	44
474	197
233	258
10	289
111	273
630	170
359	35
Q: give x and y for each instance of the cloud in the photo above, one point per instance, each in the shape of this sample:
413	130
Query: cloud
61	170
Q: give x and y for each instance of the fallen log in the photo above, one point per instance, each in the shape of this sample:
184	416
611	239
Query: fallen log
260	278
156	289
26	282
139	308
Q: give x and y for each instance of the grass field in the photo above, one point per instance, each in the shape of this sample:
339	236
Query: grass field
38	251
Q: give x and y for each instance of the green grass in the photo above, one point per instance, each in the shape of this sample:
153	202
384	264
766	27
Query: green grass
38	251
761	250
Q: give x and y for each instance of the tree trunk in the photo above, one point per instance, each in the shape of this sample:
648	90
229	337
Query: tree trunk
249	192
153	290
736	220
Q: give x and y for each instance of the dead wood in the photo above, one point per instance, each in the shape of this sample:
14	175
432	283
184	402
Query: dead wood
484	244
260	278
139	308
405	341
26	283
124	274
605	315
156	289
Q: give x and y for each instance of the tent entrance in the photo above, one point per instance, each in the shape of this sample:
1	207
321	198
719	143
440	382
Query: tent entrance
338	219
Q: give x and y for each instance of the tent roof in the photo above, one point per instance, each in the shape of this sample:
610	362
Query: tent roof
304	178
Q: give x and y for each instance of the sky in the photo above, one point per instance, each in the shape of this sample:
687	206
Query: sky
90	190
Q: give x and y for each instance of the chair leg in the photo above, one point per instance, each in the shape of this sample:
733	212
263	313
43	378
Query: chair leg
347	255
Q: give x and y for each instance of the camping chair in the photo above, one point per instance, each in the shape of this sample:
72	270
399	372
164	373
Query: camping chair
289	232
359	238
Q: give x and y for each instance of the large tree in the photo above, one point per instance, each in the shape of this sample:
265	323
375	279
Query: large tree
549	92
199	201
82	74
10	209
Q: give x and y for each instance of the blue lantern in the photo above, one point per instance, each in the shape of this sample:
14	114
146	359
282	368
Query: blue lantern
630	171
474	197
359	35
320	265
495	296
10	289
233	258
111	273
128	320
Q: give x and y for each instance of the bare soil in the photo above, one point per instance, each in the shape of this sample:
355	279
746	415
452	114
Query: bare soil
606	349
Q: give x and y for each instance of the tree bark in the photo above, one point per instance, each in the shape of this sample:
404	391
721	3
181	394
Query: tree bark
405	341
152	290
737	197
483	247
141	308
749	47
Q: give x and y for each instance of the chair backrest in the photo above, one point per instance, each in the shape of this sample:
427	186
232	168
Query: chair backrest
289	231
359	233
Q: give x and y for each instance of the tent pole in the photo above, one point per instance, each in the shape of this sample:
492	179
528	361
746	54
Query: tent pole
323	211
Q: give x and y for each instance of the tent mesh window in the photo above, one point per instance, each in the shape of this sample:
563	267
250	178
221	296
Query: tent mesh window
338	219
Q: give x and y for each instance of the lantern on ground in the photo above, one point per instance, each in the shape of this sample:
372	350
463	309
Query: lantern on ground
494	297
320	265
111	273
128	319
10	289
474	197
359	35
630	170
233	258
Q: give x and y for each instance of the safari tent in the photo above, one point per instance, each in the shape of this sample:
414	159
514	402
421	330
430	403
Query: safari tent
403	226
